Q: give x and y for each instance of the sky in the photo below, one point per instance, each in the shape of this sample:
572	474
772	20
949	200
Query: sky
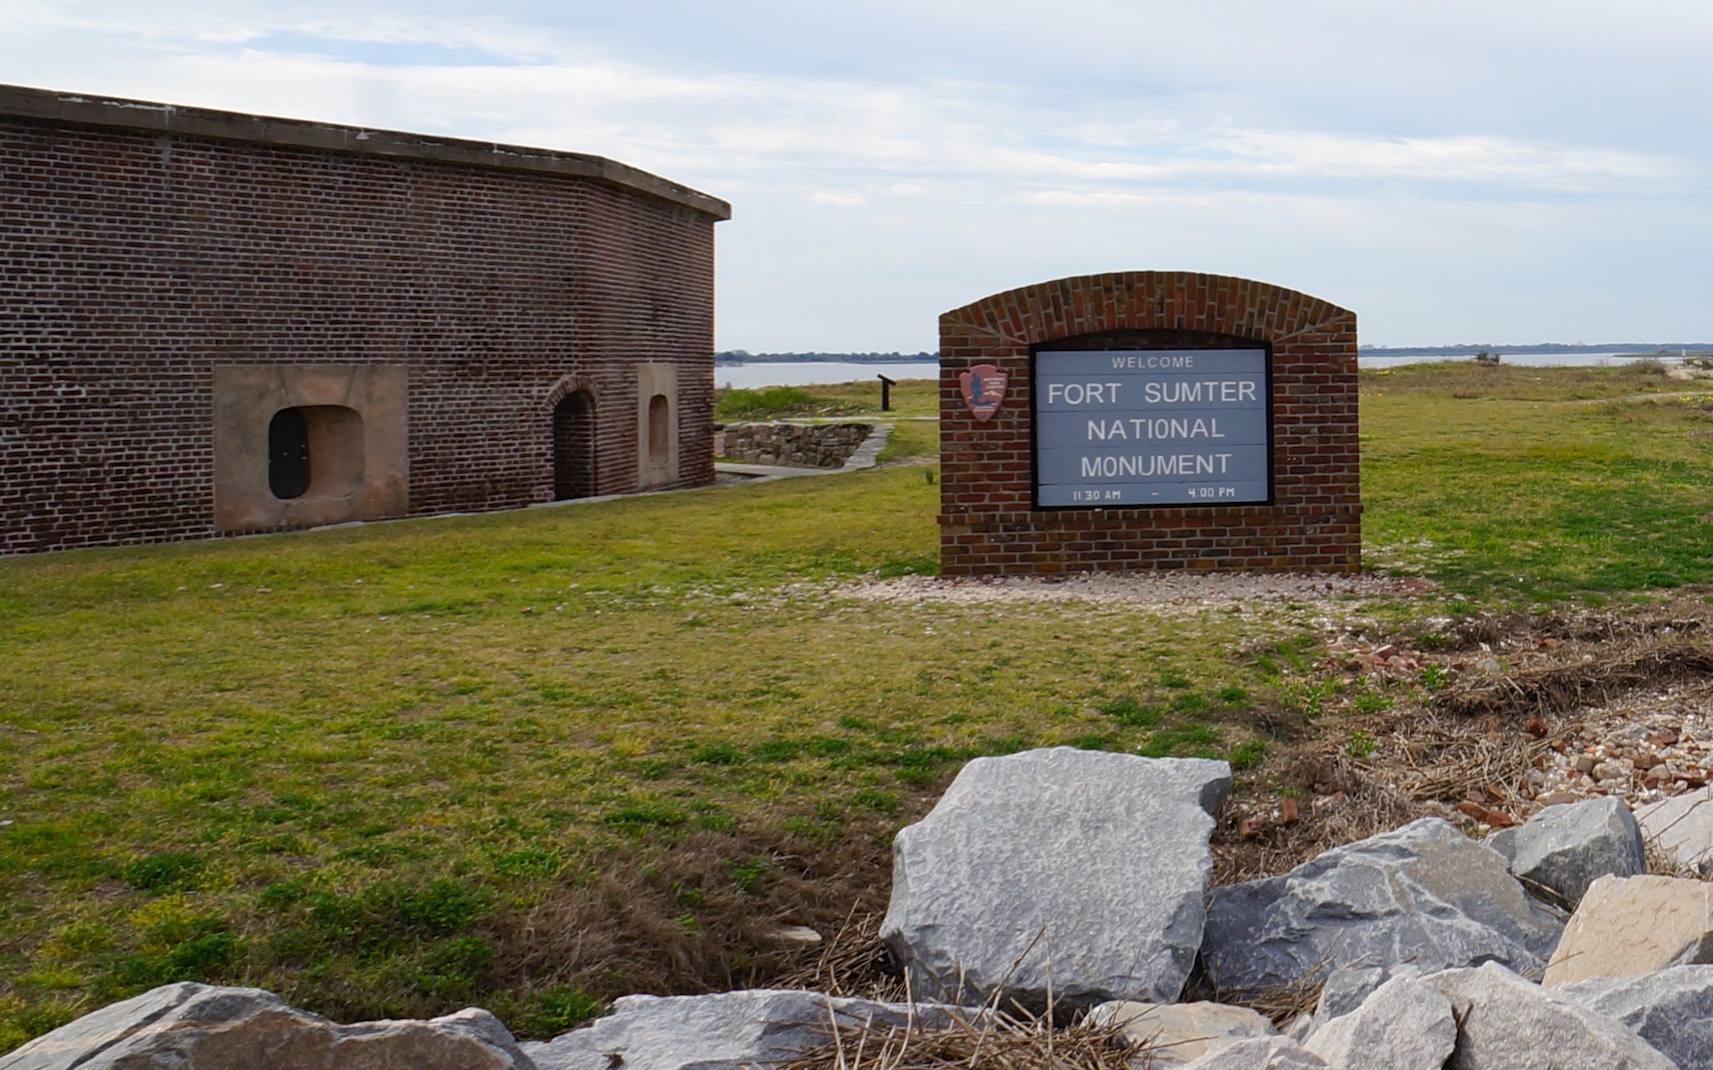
1456	172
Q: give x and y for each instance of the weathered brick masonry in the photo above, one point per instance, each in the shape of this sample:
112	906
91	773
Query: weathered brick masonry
987	521
143	246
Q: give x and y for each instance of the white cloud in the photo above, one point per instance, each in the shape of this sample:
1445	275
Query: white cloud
1336	145
833	199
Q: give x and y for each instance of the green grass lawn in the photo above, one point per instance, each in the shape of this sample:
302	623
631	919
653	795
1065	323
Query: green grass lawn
1532	484
392	769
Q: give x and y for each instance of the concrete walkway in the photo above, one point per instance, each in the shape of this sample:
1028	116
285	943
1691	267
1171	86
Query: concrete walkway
863	457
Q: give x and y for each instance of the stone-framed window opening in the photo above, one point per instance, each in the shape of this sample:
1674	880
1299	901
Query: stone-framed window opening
657	432
302	444
315	452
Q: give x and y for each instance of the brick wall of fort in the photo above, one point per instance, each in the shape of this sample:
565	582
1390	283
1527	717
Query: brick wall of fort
132	262
987	520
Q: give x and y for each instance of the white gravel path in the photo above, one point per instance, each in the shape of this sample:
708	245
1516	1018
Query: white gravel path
1182	591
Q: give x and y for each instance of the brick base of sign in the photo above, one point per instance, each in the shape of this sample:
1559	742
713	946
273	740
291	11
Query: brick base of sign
988	522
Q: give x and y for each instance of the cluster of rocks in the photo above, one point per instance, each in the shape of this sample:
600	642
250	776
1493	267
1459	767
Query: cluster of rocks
1648	748
790	444
1066	880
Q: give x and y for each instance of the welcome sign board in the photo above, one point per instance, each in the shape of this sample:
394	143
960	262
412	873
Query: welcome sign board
1152	427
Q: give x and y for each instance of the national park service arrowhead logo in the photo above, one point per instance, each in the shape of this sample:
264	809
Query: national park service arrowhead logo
984	389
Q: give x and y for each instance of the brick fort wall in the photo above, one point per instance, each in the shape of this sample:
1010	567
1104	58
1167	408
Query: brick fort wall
988	522
133	261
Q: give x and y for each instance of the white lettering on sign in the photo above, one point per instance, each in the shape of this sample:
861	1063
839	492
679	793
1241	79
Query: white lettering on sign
1212	391
1138	427
1151	427
1083	393
1138	360
1155	464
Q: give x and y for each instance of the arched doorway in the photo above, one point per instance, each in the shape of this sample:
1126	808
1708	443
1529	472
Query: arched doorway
574	446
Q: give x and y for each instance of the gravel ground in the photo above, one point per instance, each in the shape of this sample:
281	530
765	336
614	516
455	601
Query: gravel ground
1648	745
1164	591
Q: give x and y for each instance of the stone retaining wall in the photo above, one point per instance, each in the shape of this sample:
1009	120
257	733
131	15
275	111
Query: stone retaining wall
795	445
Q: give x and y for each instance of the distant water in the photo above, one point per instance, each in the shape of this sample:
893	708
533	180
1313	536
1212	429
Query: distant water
1527	360
807	373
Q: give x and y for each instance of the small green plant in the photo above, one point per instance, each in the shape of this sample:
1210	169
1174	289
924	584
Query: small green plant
718	754
529	862
1373	701
192	953
753	874
282	894
1232	695
776	750
1191	739
1189	702
1247	754
1126	710
921	765
877	799
165	872
1434	678
560	1008
1359	744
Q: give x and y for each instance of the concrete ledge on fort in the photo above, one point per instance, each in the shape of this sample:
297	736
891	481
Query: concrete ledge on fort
791	445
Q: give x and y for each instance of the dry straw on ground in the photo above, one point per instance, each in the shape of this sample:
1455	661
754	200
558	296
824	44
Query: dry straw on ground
988	1041
1553	688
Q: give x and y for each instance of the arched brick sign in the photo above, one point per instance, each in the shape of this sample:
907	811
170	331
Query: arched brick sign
1127	401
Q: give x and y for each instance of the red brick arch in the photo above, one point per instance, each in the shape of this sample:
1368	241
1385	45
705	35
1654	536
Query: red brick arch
988	523
569	385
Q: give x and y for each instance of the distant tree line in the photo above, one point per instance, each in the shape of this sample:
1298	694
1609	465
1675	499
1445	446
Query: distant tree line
744	356
1660	348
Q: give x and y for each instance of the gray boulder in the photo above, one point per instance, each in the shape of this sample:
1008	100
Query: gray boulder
1086	866
1347	987
1260	1053
204	1027
1404	1025
1507	1023
1559	852
727	1031
1176	1033
1681	828
1672	1010
1424	894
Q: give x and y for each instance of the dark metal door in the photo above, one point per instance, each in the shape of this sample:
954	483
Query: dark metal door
288	454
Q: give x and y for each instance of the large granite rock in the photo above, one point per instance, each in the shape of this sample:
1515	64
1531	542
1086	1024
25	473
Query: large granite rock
1424	894
1681	828
1347	987
1176	1033
202	1027
1086	864
1507	1023
727	1031
1672	1010
1260	1053
1559	852
1404	1025
1635	925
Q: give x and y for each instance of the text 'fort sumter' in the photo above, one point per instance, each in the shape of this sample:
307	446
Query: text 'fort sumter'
1151	427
